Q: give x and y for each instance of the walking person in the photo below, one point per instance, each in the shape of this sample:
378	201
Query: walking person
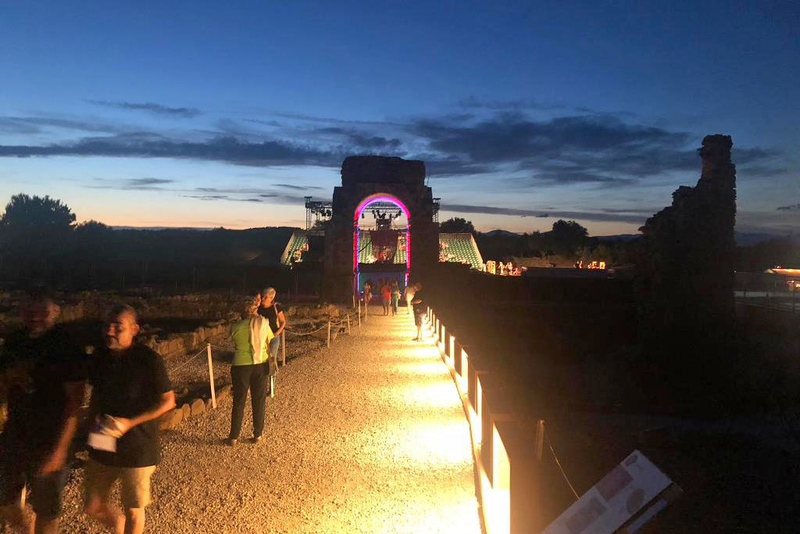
130	391
409	296
395	297
419	310
386	297
367	296
251	337
272	310
45	382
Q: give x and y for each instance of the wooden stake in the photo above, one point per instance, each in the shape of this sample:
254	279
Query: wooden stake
359	313
539	439
211	377
283	348
329	334
348	324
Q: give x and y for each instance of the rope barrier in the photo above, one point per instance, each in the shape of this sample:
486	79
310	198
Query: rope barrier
339	324
184	364
558	463
302	334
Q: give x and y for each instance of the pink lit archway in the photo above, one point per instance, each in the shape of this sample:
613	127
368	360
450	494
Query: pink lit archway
371	199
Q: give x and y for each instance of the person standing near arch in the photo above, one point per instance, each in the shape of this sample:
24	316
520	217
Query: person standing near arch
386	297
367	296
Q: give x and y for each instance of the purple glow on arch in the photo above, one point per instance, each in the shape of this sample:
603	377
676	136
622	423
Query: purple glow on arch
381	197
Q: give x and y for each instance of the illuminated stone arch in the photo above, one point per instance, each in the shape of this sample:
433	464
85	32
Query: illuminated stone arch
366	180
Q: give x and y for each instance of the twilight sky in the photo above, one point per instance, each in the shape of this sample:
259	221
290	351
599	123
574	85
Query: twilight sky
228	113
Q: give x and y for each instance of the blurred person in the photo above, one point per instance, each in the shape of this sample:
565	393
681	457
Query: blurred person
409	296
419	310
45	378
367	296
272	310
395	297
130	391
386	297
251	337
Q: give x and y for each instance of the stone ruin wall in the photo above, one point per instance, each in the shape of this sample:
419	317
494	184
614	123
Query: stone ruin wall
686	266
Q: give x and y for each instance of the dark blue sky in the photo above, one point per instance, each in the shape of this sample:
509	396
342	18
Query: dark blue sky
204	114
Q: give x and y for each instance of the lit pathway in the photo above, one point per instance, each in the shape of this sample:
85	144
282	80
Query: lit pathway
369	436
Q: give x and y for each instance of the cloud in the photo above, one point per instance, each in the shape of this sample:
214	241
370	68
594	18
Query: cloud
581	215
34	125
298	187
524	103
151	107
272	198
590	149
149	181
791	207
129	184
312	118
507	147
361	140
147	145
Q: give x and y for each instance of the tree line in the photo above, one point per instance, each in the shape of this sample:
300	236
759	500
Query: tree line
41	243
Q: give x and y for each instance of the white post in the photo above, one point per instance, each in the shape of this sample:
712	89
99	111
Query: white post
211	377
283	347
272	386
329	334
359	313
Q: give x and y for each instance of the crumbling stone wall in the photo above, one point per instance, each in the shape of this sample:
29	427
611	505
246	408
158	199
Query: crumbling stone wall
686	265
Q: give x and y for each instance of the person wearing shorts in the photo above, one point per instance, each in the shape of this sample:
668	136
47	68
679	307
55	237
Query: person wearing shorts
44	370
130	388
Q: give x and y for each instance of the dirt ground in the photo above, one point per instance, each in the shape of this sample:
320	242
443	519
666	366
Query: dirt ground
369	436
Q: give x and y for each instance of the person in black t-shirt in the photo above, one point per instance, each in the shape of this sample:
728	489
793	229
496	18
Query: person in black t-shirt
45	380
419	309
273	312
130	391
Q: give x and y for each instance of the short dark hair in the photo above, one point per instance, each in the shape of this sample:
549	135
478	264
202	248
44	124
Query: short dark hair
123	309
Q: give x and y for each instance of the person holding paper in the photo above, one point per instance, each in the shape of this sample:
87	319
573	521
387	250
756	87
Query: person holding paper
43	371
130	391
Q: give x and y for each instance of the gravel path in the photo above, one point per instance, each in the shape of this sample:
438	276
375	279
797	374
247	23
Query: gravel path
368	436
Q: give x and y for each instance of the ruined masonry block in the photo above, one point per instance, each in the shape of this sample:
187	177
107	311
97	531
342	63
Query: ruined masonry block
198	407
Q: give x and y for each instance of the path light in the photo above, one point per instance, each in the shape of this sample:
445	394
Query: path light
462	376
451	348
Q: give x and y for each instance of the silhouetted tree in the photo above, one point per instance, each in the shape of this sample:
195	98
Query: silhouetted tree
456	225
567	237
34	232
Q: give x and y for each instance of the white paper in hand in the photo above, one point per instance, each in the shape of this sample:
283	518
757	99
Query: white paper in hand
102	442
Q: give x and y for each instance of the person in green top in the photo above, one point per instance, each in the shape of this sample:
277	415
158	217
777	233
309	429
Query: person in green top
251	337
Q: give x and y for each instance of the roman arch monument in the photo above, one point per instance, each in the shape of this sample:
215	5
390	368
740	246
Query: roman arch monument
382	226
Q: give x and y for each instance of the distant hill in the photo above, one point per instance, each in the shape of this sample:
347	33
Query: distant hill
500	233
751	238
